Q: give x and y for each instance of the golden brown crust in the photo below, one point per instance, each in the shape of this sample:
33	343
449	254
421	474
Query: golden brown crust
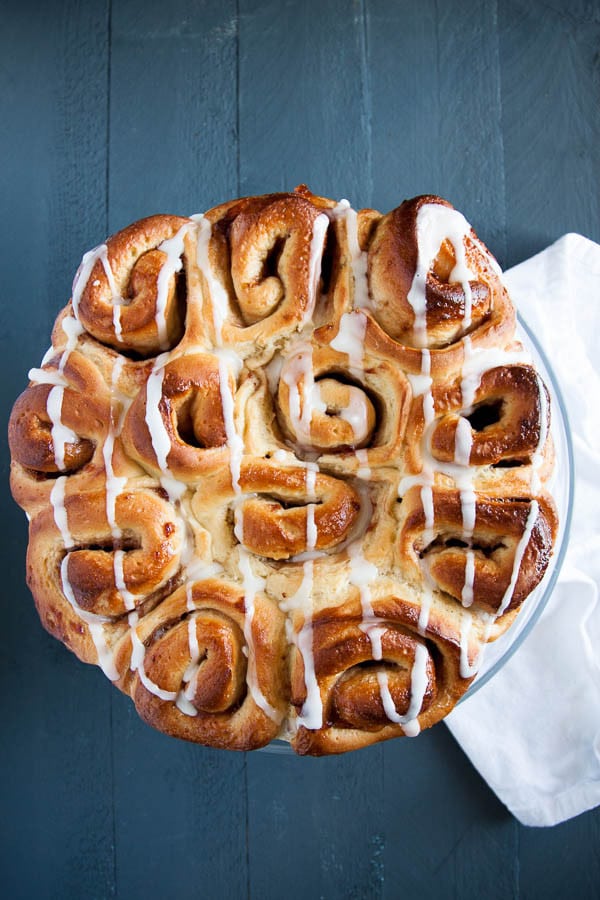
499	526
135	259
206	674
274	489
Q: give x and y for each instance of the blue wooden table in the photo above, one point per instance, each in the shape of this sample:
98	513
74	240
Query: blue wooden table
114	110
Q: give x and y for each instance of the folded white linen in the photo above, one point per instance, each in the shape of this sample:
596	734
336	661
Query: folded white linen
533	731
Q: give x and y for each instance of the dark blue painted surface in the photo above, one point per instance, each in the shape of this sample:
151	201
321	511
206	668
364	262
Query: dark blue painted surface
111	111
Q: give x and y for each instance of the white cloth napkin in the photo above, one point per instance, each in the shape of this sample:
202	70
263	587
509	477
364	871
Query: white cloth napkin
533	731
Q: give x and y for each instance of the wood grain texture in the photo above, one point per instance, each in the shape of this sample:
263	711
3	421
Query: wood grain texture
121	108
436	121
297	96
446	835
316	826
180	815
56	824
303	112
550	71
173	108
180	810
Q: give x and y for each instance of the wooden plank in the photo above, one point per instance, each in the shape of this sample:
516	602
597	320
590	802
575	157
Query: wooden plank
445	833
436	117
549	63
563	861
56	826
549	68
304	117
304	105
172	134
180	810
436	128
180	815
315	825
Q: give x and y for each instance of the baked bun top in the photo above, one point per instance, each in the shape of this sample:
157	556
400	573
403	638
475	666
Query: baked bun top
285	466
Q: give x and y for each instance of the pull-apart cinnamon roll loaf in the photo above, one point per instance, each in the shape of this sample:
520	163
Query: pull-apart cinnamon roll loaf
285	468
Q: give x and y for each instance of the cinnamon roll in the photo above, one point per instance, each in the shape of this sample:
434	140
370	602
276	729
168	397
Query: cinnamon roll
286	469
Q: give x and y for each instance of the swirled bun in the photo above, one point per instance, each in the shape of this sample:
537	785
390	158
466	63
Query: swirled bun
285	466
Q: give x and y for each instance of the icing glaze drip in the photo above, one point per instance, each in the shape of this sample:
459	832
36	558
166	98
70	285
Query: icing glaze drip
173	247
252	585
358	258
159	435
94	623
57	500
436	223
235	441
418	687
350	340
138	652
317	245
304	392
82	275
219	300
519	553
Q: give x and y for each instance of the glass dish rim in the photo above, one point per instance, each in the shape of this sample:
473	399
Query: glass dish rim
565	526
283	748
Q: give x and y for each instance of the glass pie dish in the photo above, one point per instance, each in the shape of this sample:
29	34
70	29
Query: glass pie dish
561	486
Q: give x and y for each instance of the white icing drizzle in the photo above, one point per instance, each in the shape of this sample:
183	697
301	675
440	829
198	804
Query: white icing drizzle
350	340
375	634
159	435
61	434
418	687
317	244
82	277
252	585
311	528
304	393
114	484
115	294
468	505
57	501
186	694
428	511
364	470
47	376
311	714
463	442
358	257
138	652
519	553
128	598
311	472
467	590
362	574
355	413
219	300
95	624
173	247
235	441
467	670
83	273
434	224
